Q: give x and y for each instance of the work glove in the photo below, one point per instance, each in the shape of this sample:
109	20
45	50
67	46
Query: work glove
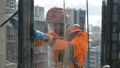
39	36
14	22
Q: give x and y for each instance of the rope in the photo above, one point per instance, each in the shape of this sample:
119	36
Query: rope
64	20
88	61
64	30
6	21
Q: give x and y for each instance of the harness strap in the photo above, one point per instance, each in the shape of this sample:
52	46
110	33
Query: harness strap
52	42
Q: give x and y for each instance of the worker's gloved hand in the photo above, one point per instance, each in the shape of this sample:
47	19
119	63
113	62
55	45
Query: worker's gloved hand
39	37
14	22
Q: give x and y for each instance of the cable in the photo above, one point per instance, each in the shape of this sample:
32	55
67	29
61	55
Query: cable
64	30
64	20
8	19
88	55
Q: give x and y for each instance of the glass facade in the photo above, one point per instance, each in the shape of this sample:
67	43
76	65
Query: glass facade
110	33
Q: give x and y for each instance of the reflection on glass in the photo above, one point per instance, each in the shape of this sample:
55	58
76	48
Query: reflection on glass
114	17
114	47
115	9
114	55
114	28
115	1
119	55
114	64
119	36
114	36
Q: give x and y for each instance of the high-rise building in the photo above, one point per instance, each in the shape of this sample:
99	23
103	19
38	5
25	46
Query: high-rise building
82	18
39	13
11	33
10	6
110	33
96	33
76	17
11	44
41	25
94	58
70	13
90	27
79	18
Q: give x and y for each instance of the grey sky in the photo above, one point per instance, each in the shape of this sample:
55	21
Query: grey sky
94	7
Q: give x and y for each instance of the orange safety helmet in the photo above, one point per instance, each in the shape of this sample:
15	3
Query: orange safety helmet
54	14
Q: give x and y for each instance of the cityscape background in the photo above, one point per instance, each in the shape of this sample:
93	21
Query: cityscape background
76	15
95	7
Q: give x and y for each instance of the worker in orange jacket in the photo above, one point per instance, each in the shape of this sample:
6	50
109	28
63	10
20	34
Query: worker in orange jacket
54	38
68	53
77	38
55	18
79	41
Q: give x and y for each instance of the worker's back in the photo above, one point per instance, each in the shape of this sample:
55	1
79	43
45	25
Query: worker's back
79	41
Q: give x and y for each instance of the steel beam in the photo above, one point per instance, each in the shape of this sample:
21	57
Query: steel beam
25	30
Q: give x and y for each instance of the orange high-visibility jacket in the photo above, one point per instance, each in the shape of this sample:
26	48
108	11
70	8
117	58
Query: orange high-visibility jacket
58	45
79	43
56	52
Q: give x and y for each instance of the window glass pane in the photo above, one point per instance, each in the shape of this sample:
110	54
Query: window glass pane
115	9
114	55
108	13
114	64
114	28
115	1
114	47
114	17
119	55
119	36
114	36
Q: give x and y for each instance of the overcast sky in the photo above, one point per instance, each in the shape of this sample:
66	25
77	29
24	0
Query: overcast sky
94	7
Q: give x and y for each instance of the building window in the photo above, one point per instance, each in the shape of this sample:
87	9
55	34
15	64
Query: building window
92	65
119	55
114	55
114	64
114	47
115	9
114	17
114	36
119	36
115	1
114	29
